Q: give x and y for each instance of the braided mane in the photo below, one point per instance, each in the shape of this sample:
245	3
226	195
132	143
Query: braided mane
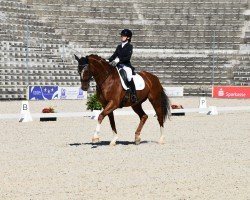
97	58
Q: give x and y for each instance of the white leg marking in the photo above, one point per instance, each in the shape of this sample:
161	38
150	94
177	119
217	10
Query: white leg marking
96	136
115	138
98	127
161	140
97	130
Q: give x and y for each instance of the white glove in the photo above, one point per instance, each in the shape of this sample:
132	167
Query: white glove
117	60
107	61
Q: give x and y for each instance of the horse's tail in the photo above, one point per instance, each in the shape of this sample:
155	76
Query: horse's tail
165	105
157	97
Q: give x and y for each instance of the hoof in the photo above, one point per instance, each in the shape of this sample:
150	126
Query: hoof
161	141
137	140
95	140
112	144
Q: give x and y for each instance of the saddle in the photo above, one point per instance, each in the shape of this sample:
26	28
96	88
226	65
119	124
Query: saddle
138	80
139	84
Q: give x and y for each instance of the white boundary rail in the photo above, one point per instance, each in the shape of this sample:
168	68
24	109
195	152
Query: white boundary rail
149	112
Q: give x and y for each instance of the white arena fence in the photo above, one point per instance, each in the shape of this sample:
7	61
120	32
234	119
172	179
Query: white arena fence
212	110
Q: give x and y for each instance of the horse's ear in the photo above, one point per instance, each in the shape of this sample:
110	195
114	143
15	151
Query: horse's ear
76	57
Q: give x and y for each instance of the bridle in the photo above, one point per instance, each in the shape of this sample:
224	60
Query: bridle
107	72
81	73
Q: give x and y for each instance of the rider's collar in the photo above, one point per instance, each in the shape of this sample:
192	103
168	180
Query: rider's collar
123	43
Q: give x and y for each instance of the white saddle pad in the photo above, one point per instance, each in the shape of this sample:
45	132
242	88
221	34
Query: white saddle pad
138	80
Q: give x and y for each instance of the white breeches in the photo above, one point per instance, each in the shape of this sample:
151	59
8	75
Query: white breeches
128	72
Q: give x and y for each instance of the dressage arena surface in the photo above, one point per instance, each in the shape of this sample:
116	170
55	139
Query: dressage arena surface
205	157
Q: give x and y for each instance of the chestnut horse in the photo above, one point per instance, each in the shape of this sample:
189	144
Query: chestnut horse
110	93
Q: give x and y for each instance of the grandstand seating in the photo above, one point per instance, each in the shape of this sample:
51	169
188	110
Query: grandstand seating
181	41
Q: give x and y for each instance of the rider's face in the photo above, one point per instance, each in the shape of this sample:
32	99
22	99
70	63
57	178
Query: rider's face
124	38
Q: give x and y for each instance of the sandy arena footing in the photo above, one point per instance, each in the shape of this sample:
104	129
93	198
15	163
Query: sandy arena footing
205	157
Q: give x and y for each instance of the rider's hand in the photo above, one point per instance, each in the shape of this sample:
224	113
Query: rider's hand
107	61
113	63
117	60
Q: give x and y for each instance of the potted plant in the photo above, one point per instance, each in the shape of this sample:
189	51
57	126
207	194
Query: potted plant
48	110
94	105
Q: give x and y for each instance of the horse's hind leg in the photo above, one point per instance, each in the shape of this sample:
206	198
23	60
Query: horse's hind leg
143	118
112	124
159	112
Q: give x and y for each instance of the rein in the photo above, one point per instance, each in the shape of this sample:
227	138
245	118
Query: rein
108	72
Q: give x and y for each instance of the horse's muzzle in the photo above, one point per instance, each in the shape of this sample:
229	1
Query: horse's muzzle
85	88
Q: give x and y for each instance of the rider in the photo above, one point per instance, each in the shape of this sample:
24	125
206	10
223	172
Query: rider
122	56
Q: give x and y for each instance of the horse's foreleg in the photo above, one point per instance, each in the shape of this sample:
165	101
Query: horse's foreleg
112	124
96	137
108	110
143	118
110	107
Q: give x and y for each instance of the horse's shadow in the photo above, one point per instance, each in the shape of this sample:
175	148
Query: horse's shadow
106	143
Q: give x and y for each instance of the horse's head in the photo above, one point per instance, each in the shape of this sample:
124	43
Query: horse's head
84	72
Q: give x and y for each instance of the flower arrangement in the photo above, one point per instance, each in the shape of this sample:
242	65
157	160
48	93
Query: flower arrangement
93	103
48	110
177	106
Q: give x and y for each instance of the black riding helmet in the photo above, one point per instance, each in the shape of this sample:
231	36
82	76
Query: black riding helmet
127	32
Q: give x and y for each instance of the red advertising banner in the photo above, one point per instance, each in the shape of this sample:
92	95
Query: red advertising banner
236	92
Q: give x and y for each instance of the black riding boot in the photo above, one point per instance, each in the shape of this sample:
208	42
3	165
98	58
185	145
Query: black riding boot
133	91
